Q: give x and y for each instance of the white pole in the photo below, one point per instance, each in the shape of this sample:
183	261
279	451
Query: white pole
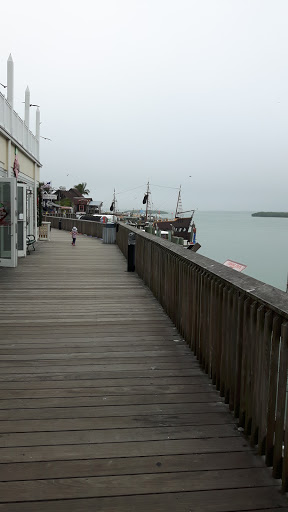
27	106
10	80
10	99
35	202
37	124
38	131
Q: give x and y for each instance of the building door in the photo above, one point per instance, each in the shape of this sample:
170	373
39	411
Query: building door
8	227
22	219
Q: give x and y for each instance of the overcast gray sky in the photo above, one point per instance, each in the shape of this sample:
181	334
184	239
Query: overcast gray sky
132	90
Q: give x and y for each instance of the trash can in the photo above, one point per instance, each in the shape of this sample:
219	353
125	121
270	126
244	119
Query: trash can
109	234
131	252
60	224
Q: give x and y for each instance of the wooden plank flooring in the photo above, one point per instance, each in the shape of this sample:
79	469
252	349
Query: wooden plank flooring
102	405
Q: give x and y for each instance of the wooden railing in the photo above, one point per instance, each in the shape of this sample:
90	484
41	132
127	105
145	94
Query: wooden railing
237	328
86	227
61	214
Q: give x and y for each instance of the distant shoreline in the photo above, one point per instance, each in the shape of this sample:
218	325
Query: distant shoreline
270	214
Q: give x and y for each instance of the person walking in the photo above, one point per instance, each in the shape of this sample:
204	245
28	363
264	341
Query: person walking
74	233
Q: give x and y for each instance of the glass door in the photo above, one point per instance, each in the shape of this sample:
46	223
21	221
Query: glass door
22	219
8	229
29	211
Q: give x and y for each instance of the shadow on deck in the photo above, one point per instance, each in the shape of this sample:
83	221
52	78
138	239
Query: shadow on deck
103	406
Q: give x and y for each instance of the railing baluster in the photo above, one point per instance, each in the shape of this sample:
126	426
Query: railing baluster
264	382
233	348
273	383
189	311
212	321
244	369
284	340
223	338
197	307
218	342
201	332
194	310
228	344
250	367
215	332
256	366
281	402
238	355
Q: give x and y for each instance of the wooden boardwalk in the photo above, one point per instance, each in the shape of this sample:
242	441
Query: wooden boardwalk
102	405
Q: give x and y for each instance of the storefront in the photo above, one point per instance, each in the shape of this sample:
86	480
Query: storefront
19	175
18	216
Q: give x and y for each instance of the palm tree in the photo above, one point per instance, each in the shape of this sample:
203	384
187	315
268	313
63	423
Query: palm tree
82	189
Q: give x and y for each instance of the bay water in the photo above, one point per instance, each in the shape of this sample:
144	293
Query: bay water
261	243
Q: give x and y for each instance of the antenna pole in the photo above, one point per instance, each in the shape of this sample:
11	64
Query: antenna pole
114	203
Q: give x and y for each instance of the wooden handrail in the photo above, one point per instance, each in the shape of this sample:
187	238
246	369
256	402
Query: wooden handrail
87	227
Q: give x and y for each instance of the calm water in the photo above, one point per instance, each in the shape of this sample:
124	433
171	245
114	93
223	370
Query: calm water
259	243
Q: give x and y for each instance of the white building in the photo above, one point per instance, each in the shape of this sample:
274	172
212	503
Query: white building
19	174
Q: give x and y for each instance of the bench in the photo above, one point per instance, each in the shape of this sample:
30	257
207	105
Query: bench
30	241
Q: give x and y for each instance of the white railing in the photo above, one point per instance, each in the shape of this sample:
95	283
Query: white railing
15	126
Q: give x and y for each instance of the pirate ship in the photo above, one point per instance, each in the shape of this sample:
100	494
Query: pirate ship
181	226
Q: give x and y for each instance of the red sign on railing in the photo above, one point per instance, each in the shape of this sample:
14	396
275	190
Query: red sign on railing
236	266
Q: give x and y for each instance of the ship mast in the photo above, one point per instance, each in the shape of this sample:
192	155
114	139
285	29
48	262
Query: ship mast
113	204
146	200
179	207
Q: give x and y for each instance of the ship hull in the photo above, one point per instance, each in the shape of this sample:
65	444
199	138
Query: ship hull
179	226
